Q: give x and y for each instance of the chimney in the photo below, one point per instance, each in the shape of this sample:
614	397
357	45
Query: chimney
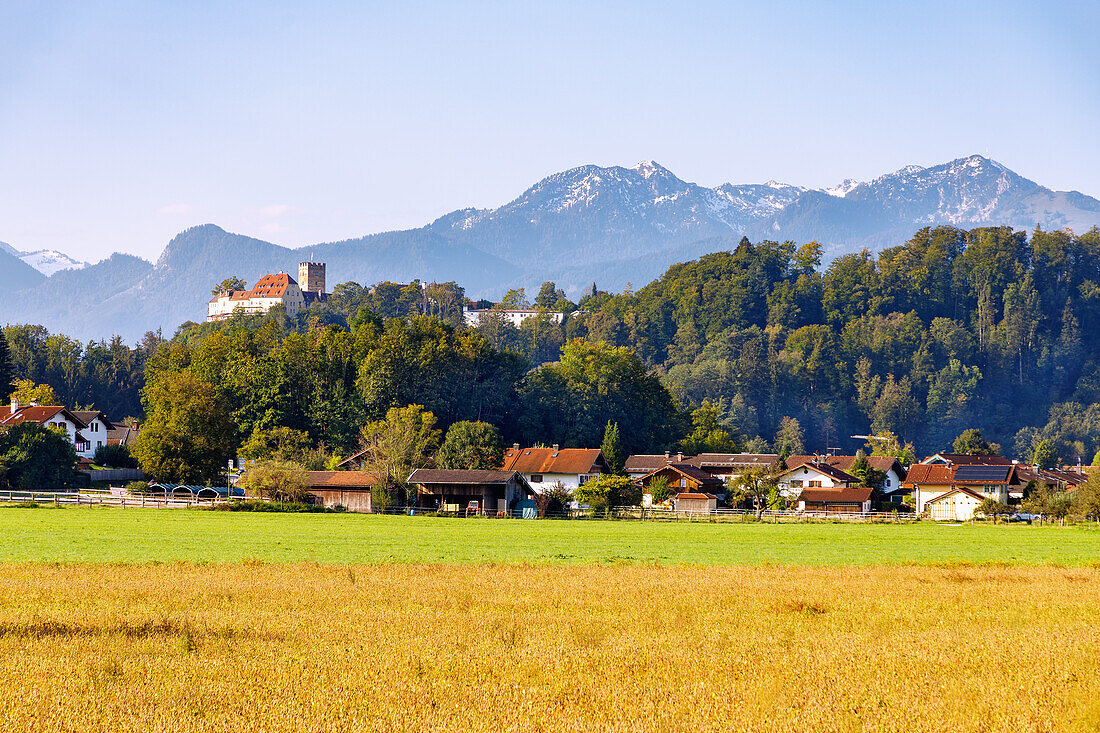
679	457
14	405
135	426
515	447
555	449
668	457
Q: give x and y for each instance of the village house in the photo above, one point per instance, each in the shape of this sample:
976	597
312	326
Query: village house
544	467
836	500
813	474
888	465
97	431
682	480
956	505
643	464
58	418
930	481
123	434
272	290
481	492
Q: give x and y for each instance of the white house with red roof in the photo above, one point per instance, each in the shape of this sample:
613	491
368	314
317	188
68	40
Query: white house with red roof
813	475
543	467
56	417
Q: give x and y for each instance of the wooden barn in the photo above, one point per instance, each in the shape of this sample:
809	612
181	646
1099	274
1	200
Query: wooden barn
481	492
348	489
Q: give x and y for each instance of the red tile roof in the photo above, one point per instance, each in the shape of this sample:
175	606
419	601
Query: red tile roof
40	415
688	495
272	286
929	473
546	460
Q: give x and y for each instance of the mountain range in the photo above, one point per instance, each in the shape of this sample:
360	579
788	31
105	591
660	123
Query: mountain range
590	224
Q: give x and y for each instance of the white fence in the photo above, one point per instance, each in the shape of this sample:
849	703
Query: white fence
124	500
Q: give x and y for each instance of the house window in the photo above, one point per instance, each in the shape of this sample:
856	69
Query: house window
536	478
815	484
796	484
683	483
583	478
887	483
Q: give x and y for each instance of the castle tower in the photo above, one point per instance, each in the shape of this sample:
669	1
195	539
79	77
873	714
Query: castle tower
311	277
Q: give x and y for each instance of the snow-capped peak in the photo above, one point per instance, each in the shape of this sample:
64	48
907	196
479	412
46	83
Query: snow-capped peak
843	188
648	168
49	261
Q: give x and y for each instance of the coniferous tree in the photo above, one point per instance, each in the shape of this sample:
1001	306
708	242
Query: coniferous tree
6	374
612	447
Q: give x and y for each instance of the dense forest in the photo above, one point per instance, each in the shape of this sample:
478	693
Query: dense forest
989	328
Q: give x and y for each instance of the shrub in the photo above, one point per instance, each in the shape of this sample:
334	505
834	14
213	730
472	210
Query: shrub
658	490
269	506
554	501
114	456
138	487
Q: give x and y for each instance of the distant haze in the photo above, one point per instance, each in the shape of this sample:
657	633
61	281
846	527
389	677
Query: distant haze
124	123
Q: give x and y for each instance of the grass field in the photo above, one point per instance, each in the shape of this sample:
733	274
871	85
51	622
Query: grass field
306	647
178	620
137	535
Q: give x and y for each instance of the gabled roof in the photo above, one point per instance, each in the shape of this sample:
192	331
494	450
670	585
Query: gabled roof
851	494
825	469
964	459
844	463
696	474
929	473
733	460
459	476
40	414
547	460
649	461
272	286
341	479
957	490
86	417
691	495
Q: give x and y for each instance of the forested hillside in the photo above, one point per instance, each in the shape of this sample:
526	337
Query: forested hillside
953	329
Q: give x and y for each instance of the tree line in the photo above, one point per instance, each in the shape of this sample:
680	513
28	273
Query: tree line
757	348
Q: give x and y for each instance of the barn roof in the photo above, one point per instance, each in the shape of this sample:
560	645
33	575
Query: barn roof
459	476
341	479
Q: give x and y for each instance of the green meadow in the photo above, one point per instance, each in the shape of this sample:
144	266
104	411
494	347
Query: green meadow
144	535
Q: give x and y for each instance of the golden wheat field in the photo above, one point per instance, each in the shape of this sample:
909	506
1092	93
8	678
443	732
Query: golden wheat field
245	647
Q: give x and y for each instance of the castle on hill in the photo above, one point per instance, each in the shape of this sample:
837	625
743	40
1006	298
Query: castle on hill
271	290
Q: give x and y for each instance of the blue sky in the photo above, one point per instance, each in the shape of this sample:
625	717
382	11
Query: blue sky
122	123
